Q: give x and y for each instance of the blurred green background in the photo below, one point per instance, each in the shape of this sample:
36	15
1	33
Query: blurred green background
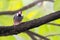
30	14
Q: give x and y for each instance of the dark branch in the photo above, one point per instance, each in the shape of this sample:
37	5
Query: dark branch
52	35
31	35
50	0
40	36
10	30
23	8
54	24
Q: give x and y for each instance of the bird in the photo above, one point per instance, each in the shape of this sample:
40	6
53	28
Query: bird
18	18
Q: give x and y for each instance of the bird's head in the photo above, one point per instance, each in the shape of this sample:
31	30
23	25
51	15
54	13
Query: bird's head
19	13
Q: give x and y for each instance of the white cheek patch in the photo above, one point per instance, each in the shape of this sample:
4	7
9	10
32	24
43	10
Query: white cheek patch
17	14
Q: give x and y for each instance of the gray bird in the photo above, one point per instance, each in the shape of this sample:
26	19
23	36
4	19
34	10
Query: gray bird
18	18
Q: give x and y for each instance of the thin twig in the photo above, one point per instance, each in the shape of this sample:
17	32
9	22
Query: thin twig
54	24
23	8
40	36
52	35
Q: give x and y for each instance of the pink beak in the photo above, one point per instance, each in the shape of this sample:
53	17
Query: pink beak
20	12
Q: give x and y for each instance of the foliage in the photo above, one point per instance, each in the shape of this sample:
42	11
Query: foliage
32	13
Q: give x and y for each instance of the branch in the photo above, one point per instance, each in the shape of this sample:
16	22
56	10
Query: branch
10	30
23	8
53	24
52	35
40	36
50	0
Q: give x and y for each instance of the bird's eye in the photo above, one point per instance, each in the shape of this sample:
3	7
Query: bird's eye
19	14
